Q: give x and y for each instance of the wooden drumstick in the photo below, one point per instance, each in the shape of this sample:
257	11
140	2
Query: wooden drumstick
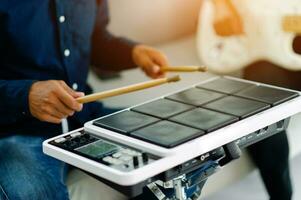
184	69
127	89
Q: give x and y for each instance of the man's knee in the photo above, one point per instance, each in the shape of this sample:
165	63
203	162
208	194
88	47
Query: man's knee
22	176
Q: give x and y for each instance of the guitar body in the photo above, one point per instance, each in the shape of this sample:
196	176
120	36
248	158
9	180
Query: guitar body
269	73
264	36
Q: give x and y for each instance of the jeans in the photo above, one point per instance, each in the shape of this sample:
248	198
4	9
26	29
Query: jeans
27	173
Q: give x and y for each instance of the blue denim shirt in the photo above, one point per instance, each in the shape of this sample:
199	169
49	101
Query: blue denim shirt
52	39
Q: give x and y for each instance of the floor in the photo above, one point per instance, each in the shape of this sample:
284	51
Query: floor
251	188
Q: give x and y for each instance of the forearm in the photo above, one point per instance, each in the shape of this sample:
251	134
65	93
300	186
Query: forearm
14	99
109	52
112	53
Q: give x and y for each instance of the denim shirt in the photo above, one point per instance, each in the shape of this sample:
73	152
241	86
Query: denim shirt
52	39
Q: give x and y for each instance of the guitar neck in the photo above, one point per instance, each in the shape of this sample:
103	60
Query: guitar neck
292	24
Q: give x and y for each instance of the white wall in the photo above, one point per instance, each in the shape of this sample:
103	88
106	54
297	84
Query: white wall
153	21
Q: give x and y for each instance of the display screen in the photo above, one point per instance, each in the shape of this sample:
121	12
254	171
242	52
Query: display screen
97	149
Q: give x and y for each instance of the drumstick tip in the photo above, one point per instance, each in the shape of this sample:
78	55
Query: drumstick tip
202	69
173	78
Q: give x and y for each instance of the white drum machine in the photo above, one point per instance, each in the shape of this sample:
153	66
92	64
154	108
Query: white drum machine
170	137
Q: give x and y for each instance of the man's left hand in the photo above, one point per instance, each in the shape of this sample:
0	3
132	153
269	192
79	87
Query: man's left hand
150	60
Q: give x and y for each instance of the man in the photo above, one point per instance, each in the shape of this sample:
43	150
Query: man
46	48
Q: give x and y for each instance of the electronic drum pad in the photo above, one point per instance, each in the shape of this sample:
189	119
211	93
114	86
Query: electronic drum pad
142	142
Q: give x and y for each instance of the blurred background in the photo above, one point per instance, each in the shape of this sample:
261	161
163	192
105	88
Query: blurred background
154	22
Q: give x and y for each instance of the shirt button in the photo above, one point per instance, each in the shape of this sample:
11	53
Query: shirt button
67	52
74	86
62	19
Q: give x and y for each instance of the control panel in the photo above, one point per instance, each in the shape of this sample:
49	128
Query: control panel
109	153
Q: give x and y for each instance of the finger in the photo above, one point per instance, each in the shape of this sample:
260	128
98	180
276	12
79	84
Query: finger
160	73
68	100
53	111
146	66
151	68
60	106
56	113
157	72
155	69
67	88
72	92
160	59
51	119
79	94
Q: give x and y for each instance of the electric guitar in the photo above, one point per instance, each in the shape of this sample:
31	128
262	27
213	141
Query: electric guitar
235	33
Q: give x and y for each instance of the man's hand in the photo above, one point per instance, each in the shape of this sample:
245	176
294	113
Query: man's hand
51	101
149	60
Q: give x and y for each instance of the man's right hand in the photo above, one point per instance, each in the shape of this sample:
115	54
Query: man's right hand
52	100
